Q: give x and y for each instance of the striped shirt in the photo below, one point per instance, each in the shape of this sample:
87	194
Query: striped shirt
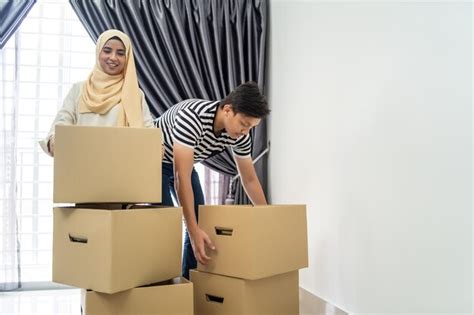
191	123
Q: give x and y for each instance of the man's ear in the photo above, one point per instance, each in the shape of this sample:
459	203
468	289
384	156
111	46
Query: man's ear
228	109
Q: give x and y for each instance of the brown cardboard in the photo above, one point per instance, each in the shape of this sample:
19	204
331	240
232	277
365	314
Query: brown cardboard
107	164
255	242
115	250
220	295
172	297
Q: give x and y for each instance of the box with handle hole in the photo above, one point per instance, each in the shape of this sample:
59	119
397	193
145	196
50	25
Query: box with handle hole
255	242
115	250
221	295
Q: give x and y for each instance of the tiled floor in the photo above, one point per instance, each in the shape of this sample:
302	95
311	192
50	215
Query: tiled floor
54	302
67	302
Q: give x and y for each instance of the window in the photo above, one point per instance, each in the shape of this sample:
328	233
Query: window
211	183
50	51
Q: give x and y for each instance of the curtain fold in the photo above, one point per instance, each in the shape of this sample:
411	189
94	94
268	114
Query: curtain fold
190	49
12	13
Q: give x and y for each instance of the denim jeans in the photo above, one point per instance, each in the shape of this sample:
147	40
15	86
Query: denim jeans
189	261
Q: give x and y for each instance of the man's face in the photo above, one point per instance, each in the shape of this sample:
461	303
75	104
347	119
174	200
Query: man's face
112	57
237	125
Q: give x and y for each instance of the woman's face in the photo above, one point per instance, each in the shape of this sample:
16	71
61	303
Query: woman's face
112	57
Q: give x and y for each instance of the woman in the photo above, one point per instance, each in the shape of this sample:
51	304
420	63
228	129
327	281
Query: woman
110	96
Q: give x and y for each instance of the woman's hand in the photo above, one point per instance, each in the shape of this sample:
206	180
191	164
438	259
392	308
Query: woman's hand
51	145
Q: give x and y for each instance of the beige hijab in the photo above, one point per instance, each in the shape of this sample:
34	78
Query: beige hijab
102	91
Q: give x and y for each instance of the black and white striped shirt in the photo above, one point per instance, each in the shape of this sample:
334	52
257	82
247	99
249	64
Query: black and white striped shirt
191	123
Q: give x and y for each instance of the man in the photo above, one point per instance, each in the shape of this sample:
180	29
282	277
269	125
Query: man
194	130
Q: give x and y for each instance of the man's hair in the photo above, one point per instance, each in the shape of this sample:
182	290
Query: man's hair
248	100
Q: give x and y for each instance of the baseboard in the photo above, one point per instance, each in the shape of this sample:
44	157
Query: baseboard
39	285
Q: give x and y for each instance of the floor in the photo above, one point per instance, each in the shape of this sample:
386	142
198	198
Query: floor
67	302
312	305
41	302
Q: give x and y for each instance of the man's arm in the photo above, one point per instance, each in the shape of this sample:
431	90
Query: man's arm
183	166
250	181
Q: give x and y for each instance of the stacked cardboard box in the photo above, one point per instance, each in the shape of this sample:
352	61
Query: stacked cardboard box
127	261
254	269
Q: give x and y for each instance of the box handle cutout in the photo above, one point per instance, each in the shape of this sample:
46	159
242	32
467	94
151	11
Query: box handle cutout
224	231
215	299
78	239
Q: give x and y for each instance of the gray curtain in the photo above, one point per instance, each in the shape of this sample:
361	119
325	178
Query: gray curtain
12	13
191	49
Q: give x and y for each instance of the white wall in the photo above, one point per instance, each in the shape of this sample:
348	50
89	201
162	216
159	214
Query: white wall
371	128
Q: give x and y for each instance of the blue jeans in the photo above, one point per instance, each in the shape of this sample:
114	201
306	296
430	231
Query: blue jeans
189	261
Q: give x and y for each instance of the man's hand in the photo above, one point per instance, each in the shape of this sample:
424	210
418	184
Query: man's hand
183	166
199	241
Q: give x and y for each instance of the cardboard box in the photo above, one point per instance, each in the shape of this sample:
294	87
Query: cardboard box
255	242
115	250
107	164
216	294
170	297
